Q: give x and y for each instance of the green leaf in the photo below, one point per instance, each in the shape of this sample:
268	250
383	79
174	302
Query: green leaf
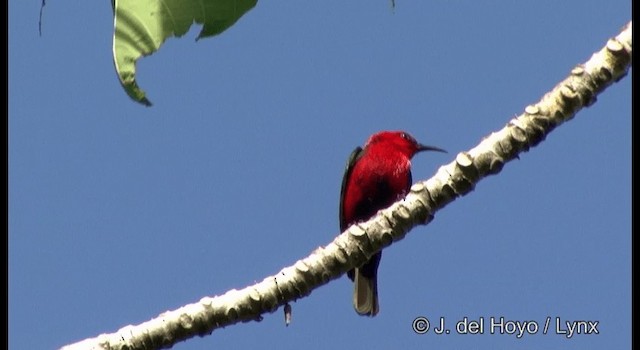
141	26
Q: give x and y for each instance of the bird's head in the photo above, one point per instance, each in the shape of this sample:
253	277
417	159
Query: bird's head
400	141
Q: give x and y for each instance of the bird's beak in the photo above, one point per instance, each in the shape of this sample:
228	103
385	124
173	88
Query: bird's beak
429	148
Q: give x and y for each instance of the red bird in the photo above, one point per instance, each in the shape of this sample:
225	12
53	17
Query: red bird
375	177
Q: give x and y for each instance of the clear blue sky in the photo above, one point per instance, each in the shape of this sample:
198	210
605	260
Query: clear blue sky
118	212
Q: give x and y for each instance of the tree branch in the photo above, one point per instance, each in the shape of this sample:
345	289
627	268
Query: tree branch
354	246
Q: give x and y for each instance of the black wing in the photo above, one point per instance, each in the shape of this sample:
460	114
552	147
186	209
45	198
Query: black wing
351	162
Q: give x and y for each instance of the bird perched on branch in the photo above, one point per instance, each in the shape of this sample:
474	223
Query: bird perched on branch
375	177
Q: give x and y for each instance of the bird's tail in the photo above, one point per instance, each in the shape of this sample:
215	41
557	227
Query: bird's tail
365	293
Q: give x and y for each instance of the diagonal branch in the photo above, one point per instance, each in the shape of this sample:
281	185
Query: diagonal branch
354	246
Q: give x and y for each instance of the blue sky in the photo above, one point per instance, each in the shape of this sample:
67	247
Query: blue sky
118	212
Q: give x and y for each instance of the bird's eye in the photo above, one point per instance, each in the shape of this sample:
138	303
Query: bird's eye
407	137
